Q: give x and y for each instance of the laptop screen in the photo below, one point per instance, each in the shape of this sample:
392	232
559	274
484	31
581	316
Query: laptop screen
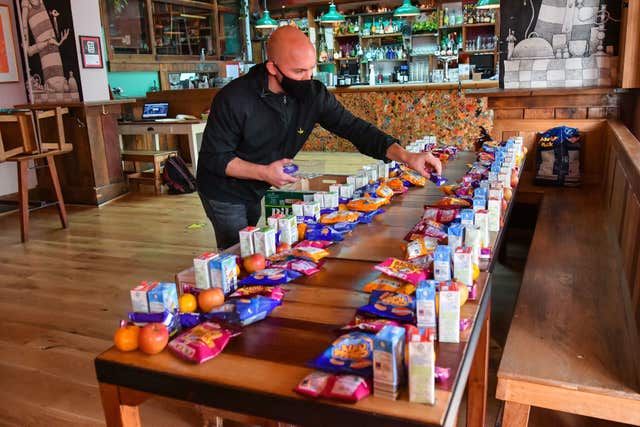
156	110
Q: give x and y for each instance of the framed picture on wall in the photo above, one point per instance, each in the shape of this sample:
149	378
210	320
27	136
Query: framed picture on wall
91	52
8	61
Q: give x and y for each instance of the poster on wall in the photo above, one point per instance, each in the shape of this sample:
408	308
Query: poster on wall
49	50
91	52
8	62
558	43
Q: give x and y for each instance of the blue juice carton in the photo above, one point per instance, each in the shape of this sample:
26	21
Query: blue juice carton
426	304
164	296
466	217
388	357
480	192
442	264
455	236
224	274
479	203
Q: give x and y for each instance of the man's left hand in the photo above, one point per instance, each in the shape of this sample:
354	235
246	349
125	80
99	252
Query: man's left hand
423	163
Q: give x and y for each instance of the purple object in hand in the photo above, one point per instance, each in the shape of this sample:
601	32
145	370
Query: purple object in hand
290	169
437	179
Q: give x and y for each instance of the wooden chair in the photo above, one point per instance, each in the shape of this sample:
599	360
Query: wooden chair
21	142
157	158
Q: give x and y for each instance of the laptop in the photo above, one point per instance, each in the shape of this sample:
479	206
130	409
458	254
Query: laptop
155	111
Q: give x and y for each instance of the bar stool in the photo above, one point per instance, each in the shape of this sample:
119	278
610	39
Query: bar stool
22	142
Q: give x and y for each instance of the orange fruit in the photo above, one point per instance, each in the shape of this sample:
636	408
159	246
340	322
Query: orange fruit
188	303
237	270
126	338
210	299
302	230
476	271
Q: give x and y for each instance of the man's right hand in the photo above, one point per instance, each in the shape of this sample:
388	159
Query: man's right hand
274	175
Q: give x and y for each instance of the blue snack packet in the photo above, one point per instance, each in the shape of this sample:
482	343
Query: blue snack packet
437	179
391	305
167	318
189	320
367	217
344	227
244	311
322	232
351	353
290	169
270	276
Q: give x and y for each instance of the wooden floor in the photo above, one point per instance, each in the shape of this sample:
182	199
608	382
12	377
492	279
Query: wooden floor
63	293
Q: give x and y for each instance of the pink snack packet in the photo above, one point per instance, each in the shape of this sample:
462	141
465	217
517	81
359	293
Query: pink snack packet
320	244
303	266
314	384
346	388
201	343
402	270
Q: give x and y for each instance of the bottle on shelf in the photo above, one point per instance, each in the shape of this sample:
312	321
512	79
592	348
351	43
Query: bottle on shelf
374	28
445	19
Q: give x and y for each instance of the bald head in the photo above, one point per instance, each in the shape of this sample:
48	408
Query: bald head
290	48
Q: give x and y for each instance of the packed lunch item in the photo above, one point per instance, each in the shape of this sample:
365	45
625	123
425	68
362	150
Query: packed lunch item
364	323
303	266
201	343
420	247
366	204
439	214
270	276
202	269
449	313
340	216
168	318
437	179
312	253
442	264
246	241
427	228
273	292
449	201
350	353
402	270
346	388
322	232
426	304
244	311
388	283
391	305
422	366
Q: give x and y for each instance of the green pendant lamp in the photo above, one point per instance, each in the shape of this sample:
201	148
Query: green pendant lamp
266	22
333	16
406	10
488	4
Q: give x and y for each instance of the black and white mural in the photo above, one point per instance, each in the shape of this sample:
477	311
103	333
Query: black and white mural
49	48
558	43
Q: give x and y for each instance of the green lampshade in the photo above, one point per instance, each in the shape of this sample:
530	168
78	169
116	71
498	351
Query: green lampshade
266	21
406	10
333	16
488	4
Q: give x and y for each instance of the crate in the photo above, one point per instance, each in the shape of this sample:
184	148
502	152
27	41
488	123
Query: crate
279	201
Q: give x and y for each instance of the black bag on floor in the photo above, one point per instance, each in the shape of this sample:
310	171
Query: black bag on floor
558	157
177	177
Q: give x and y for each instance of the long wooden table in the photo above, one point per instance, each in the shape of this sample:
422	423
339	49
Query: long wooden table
258	370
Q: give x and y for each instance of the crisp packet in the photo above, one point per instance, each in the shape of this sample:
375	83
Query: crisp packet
396	185
347	388
427	228
439	214
244	311
387	283
310	252
391	305
340	216
273	292
420	247
402	270
414	178
449	190
384	191
368	324
452	202
270	276
322	232
344	227
366	204
303	266
367	217
167	318
437	179
321	244
201	343
351	353
189	320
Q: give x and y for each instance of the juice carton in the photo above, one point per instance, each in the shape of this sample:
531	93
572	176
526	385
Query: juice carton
351	179
388	356
496	191
482	221
466	217
442	264
139	298
246	241
330	199
455	236
426	304
319	198
264	241
312	210
272	221
495	212
372	172
480	192
163	296
202	269
463	265
479	203
223	273
334	188
297	209
449	313
422	366
383	170
493	177
472	239
346	190
288	226
361	181
505	176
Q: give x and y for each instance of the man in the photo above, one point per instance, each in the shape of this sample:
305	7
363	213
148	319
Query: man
260	121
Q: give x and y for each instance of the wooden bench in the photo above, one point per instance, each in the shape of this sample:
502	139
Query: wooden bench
573	342
157	158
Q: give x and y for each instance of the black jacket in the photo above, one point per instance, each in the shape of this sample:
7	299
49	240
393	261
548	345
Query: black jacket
250	122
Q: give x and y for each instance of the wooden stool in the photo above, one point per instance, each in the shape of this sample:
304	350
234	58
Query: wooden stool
141	177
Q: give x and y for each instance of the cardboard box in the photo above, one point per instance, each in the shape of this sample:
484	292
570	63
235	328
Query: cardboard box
280	200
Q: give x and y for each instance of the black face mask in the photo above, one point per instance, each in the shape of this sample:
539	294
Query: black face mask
299	89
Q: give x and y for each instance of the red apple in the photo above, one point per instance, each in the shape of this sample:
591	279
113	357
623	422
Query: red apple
153	338
255	262
514	178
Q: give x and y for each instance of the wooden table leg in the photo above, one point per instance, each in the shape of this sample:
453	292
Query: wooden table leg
117	413
477	382
193	149
23	185
62	210
515	414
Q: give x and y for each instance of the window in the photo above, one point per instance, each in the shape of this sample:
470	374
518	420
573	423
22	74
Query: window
183	30
128	27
